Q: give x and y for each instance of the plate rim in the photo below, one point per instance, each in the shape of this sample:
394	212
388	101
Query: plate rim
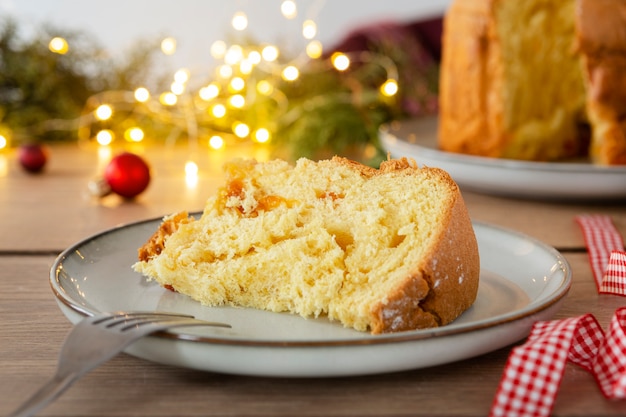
564	166
408	336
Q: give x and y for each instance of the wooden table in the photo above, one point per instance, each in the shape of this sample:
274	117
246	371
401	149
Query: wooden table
43	214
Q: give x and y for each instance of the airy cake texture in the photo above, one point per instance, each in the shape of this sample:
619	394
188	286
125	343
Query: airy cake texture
383	250
520	79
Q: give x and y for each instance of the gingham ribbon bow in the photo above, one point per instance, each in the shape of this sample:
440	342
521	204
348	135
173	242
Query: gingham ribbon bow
534	370
606	253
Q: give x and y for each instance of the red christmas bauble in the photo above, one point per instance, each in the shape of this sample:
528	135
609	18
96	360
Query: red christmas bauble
33	157
127	174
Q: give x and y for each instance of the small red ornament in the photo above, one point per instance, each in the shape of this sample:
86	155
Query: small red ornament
127	174
33	157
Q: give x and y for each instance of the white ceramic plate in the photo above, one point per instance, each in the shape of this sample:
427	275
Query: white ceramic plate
417	139
522	281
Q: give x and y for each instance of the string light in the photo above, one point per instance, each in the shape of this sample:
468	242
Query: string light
290	73
134	134
240	21
58	45
340	61
168	46
103	112
309	29
245	95
142	94
105	137
3	142
288	9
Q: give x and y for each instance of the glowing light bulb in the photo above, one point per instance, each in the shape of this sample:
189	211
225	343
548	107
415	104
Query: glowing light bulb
389	88
218	49
168	46
314	49
103	112
225	71
264	87
134	134
254	57
290	73
309	29
218	111
340	61
177	88
288	9
245	66
209	92
240	21
216	142
237	101
182	75
234	55
105	137
142	94
237	84
4	142
168	98
58	45
262	135
241	130
270	53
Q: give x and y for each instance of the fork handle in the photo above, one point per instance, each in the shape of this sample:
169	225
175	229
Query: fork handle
46	394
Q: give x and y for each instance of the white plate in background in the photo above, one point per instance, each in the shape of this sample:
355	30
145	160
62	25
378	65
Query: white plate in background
584	181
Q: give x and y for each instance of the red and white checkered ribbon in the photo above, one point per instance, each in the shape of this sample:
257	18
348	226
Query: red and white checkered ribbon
606	253
534	370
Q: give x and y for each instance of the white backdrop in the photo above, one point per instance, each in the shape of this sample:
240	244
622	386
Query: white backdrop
195	24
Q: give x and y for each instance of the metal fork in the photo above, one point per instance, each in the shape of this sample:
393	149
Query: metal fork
95	340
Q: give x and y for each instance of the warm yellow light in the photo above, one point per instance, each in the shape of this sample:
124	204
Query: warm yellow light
105	137
177	88
262	135
142	94
191	174
234	55
209	92
288	9
245	66
389	88
241	129
290	73
58	45
134	134
168	46
237	101
254	57
218	111
314	49
237	84
182	75
218	49
103	112
3	142
168	98
240	21
270	53
225	71
264	87
309	29
340	61
216	142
